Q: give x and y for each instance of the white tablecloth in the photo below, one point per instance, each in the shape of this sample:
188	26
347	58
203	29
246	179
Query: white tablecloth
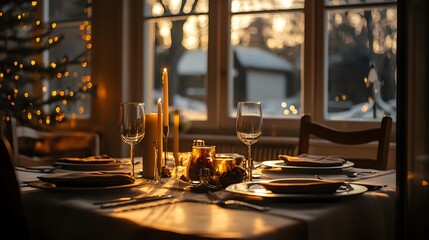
72	215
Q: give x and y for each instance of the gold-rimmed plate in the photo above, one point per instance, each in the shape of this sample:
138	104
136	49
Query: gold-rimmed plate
281	164
53	187
255	189
91	166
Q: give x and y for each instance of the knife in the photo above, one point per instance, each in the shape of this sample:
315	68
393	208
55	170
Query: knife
131	201
370	186
225	203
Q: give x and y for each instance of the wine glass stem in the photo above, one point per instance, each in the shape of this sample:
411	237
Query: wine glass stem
249	162
132	159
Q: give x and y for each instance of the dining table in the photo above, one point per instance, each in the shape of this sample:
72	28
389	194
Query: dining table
78	213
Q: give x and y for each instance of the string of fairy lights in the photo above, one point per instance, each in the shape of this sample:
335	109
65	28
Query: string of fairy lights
25	78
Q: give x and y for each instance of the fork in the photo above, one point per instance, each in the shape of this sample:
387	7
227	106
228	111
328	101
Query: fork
131	201
235	203
355	174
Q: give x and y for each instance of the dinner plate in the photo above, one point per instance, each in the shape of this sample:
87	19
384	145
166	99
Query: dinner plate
283	165
254	189
91	166
301	185
83	160
50	186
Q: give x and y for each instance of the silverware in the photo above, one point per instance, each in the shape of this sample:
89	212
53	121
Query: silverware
226	203
125	199
355	174
235	203
121	202
369	186
121	199
148	205
49	169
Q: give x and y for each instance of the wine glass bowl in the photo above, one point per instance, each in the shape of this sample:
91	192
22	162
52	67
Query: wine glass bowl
249	129
248	138
132	126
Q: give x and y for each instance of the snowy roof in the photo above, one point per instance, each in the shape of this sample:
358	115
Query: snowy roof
261	59
195	62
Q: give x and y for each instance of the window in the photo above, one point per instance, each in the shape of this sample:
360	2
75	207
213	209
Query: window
72	20
266	45
360	35
177	34
295	56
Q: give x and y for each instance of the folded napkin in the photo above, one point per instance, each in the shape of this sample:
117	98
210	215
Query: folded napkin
88	179
312	160
301	185
103	159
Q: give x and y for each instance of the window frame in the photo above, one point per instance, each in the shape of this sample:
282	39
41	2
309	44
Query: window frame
312	78
321	66
79	121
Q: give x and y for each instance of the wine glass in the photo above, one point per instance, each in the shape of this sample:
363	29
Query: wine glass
249	129
132	126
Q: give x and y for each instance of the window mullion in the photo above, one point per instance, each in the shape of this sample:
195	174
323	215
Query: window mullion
318	80
217	67
223	93
309	89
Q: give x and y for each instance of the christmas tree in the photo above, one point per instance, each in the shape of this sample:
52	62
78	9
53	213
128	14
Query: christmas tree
26	92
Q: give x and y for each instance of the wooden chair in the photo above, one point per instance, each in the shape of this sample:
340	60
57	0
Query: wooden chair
13	223
33	147
380	135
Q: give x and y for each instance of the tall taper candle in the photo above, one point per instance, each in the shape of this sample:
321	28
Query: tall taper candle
165	92
160	136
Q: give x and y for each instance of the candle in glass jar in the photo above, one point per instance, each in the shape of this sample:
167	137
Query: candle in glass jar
160	135
165	92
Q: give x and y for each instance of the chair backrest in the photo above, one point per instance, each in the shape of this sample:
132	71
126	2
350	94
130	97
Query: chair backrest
33	147
13	223
380	135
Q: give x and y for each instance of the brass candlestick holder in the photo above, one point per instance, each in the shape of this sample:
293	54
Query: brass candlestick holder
156	174
166	132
